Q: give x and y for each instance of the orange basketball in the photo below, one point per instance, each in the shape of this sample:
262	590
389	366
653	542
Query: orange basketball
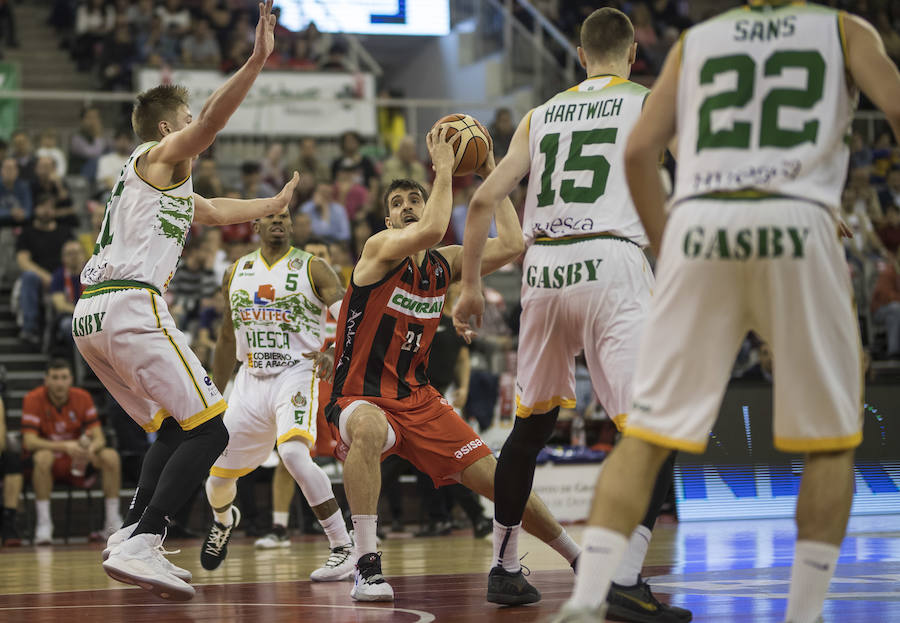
471	146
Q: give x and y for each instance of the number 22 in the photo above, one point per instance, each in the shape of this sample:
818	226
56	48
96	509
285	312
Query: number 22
770	133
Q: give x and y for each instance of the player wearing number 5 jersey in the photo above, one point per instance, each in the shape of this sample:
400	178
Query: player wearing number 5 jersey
586	287
276	301
125	331
761	99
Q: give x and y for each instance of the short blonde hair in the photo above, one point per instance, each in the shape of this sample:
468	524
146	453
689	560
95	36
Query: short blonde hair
155	105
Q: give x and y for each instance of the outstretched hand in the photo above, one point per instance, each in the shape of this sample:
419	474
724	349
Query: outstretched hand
324	363
265	31
283	199
470	303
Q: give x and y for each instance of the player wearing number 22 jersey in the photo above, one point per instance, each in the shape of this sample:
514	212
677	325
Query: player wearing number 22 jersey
382	402
761	99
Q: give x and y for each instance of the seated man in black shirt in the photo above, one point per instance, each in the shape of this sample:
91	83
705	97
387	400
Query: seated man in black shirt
38	255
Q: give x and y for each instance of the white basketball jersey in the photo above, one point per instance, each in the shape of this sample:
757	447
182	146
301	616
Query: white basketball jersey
276	312
764	104
143	229
576	140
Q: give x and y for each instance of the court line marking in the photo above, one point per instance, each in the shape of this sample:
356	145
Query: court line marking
424	617
828	597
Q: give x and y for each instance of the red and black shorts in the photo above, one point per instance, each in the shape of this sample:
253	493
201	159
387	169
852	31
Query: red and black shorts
429	433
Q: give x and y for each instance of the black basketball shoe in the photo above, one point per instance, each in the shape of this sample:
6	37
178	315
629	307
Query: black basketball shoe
215	547
510	589
636	604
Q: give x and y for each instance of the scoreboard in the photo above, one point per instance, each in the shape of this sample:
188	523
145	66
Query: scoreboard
368	17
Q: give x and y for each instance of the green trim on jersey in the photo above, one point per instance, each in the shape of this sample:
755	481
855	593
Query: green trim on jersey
627	85
551	242
116	285
749	194
150	145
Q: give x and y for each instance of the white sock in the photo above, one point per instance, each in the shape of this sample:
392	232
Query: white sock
603	550
220	492
814	564
280	518
630	567
506	547
335	529
364	534
566	547
42	507
112	512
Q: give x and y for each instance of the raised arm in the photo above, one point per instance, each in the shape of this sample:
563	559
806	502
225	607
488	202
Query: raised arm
225	211
509	243
325	282
653	132
396	243
201	132
871	69
495	190
226	348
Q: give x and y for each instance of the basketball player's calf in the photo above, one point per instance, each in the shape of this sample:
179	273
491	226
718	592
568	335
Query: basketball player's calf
508	586
168	438
823	508
181	475
316	487
368	431
629	597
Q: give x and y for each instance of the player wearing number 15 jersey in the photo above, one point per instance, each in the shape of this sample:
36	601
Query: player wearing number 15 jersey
586	287
761	99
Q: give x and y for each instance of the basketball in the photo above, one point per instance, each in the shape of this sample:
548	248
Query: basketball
471	148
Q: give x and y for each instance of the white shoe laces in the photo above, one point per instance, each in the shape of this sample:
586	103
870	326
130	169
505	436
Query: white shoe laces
338	556
217	539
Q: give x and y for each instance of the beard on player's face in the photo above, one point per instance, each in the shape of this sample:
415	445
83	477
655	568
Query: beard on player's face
406	208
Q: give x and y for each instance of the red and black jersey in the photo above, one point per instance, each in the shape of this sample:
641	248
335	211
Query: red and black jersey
385	332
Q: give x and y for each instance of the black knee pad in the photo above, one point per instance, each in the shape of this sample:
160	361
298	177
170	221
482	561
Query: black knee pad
210	438
531	433
170	433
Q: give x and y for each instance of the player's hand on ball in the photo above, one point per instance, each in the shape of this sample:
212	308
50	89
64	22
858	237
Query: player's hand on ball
489	162
265	31
324	363
283	199
440	149
470	303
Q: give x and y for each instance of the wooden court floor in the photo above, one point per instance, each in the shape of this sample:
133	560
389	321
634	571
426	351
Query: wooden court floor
735	572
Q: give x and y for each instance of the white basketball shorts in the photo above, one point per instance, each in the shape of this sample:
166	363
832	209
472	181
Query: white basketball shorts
264	411
590	294
125	333
772	265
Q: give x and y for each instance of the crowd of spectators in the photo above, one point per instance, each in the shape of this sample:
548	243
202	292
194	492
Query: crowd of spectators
113	37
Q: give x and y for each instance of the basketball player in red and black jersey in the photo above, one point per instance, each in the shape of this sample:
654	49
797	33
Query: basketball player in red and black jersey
382	402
